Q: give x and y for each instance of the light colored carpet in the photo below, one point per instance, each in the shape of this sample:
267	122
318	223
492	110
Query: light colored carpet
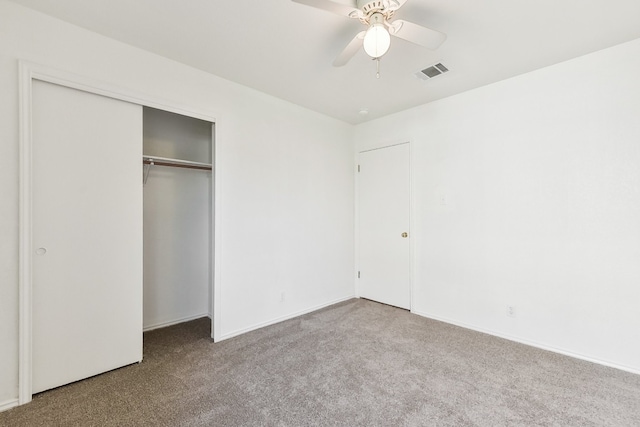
357	363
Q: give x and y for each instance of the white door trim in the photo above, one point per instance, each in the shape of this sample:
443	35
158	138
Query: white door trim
412	224
27	73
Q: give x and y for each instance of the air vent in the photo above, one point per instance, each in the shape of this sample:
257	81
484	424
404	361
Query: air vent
431	72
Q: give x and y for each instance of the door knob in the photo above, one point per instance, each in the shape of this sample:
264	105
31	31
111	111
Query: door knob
405	234
41	251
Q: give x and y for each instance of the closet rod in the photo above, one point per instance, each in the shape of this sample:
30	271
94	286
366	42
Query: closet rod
163	161
176	165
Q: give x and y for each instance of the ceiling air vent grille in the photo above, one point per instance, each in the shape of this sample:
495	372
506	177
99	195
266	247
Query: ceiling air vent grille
431	72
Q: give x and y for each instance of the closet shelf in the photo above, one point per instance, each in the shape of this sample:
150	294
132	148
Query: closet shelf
165	161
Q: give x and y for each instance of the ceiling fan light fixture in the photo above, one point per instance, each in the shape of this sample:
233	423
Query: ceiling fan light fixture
377	39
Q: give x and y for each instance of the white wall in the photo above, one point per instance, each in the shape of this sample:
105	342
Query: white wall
285	178
541	177
177	221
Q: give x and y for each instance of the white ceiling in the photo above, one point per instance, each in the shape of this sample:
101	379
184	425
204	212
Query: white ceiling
286	49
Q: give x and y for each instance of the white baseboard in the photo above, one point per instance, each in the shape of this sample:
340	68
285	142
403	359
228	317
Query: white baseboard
531	343
174	322
8	404
282	319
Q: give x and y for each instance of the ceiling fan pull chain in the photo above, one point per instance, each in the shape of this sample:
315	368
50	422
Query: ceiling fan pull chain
377	68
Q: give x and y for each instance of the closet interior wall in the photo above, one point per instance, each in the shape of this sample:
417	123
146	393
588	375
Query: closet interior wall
177	220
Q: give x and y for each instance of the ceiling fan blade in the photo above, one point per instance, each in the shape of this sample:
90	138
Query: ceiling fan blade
351	49
344	7
414	33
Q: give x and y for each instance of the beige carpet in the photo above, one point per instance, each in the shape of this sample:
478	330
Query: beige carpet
357	363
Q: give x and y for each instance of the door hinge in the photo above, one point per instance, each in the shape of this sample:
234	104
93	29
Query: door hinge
358	274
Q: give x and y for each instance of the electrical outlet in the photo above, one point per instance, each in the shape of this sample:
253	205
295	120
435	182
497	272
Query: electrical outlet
511	311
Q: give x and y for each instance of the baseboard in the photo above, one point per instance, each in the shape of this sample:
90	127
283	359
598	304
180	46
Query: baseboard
283	318
4	406
531	343
174	322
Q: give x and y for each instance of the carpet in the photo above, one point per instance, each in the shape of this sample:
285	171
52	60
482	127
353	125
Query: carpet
357	363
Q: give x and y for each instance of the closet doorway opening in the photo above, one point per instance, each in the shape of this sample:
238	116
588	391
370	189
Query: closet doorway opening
177	218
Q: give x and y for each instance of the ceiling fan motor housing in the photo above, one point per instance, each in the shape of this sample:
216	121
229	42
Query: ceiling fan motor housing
370	7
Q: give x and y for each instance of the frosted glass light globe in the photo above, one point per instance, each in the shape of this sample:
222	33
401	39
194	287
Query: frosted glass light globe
377	40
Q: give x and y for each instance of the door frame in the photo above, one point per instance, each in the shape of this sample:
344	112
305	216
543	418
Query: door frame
412	225
27	73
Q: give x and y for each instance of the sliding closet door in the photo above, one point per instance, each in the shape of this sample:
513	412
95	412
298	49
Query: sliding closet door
87	235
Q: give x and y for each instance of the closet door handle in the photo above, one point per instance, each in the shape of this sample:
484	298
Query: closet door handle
41	251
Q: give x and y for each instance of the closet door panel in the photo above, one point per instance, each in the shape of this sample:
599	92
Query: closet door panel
87	234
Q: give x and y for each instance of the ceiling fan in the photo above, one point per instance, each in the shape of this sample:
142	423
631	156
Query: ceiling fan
376	15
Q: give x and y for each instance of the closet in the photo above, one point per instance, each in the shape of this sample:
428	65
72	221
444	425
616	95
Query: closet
177	218
119	235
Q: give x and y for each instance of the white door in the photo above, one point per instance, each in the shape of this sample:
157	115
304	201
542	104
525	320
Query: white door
383	211
87	235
